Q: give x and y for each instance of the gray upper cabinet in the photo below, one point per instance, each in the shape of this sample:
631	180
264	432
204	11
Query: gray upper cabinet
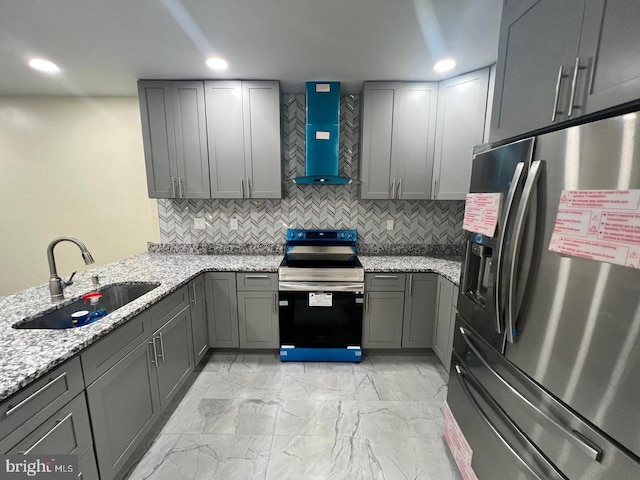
199	322
397	137
222	309
560	60
609	51
462	105
175	139
419	305
244	137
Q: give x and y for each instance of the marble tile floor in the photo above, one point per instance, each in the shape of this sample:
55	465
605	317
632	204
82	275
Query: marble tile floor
252	417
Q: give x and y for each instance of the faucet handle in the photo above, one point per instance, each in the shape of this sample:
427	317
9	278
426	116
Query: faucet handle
64	284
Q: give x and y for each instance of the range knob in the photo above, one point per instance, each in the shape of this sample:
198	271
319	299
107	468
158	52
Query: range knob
350	235
299	234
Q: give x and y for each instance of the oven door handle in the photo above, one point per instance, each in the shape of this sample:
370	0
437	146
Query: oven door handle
320	287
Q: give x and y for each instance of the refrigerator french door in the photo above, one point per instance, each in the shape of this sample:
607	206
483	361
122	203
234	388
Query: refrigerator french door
560	381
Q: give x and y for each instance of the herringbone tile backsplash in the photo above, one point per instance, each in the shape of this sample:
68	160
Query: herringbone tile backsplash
305	206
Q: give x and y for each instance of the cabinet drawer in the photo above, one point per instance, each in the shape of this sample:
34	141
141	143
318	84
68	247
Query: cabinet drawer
29	407
169	307
103	355
384	282
66	432
257	281
87	466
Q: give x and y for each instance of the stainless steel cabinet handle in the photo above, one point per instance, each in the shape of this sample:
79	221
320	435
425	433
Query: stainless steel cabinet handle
580	442
523	210
386	276
173	186
399	189
241	187
574	84
12	409
193	286
154	361
461	375
435	189
257	277
275	302
58	423
561	75
410	285
248	187
393	189
162	347
180	182
515	185
366	303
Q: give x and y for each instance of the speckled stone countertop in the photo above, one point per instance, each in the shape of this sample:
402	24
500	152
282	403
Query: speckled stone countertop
27	354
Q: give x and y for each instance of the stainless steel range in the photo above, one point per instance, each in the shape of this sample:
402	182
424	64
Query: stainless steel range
321	289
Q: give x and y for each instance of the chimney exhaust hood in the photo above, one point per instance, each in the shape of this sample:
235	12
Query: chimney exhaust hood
322	135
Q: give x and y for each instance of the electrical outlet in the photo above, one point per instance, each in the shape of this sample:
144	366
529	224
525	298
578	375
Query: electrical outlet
198	223
233	224
389	224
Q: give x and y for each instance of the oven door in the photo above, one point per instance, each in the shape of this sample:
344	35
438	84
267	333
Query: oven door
321	314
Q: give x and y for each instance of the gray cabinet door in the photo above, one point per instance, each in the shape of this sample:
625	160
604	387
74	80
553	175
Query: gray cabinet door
225	133
537	39
199	319
383	320
222	309
609	51
258	319
414	135
262	139
419	309
442	333
156	114
376	146
191	140
124	404
174	346
462	104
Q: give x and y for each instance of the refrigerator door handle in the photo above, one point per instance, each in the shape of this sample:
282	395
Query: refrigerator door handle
576	438
461	374
515	183
523	210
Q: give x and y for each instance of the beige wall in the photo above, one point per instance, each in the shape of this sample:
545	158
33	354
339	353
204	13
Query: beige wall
70	167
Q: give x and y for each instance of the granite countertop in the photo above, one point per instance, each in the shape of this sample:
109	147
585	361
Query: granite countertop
27	354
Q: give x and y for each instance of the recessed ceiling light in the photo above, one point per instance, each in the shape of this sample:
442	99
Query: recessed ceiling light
43	65
444	65
217	63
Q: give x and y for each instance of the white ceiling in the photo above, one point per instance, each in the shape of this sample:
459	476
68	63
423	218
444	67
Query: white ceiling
104	46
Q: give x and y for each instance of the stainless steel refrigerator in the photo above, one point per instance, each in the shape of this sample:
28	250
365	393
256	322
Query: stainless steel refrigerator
545	374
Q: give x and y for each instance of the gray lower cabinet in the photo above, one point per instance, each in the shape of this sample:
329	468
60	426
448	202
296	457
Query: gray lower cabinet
124	403
419	307
87	466
258	319
222	309
174	133
199	319
447	296
383	317
174	355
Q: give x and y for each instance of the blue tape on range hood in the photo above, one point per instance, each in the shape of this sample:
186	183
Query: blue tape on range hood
322	135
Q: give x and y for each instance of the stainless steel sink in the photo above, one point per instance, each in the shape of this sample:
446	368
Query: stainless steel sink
113	297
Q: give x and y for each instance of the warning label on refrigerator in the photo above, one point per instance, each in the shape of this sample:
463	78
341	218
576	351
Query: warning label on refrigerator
481	213
602	225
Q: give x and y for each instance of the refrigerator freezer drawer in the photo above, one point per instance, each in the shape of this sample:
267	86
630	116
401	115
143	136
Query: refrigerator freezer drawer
569	444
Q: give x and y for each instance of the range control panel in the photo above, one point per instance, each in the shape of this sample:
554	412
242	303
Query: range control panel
320	236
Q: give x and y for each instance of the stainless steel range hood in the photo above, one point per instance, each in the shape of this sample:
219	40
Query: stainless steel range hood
322	135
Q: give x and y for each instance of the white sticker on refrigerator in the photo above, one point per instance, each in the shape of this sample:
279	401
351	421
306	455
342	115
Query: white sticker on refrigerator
601	225
481	213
